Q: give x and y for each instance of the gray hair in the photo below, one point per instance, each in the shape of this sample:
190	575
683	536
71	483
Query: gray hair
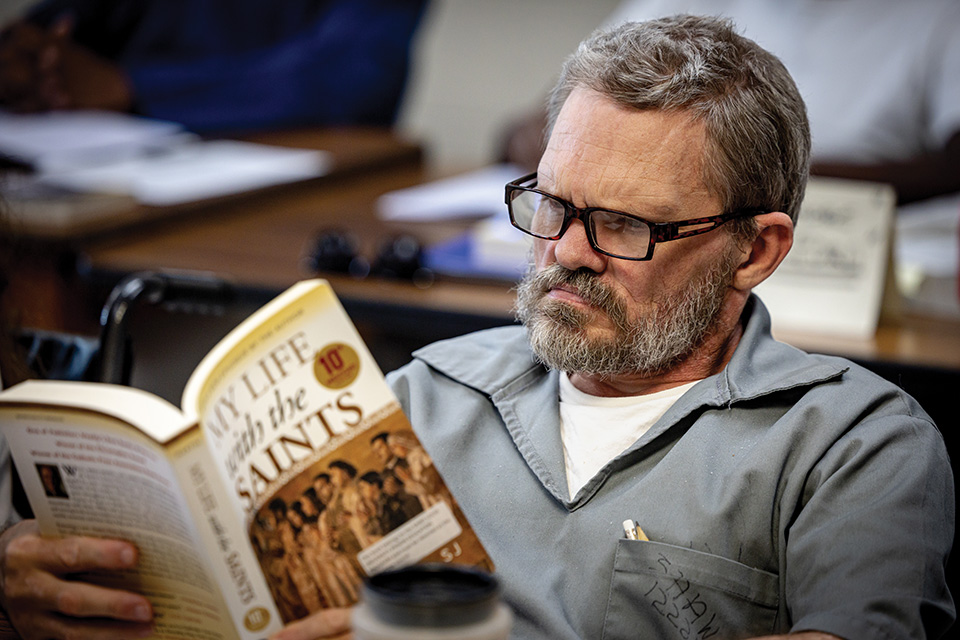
758	138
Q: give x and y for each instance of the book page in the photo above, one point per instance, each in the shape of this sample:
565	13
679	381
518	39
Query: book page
323	466
87	474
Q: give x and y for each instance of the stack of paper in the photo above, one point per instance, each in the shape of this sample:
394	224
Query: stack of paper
928	255
157	163
475	194
491	247
65	140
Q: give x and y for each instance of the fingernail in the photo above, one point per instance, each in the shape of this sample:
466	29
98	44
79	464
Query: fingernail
142	612
127	556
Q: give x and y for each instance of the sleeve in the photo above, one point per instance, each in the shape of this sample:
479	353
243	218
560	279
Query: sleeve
867	552
348	68
944	86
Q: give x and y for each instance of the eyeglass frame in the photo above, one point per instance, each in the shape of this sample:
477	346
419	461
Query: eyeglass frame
659	231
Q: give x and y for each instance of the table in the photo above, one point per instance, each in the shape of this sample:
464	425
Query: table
47	291
263	240
277	259
267	243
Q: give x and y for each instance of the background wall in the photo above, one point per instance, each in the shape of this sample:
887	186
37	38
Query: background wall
478	64
10	9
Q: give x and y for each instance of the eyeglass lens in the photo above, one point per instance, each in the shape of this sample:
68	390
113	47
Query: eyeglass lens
613	233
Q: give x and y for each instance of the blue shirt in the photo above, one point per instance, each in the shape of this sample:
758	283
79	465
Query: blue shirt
234	65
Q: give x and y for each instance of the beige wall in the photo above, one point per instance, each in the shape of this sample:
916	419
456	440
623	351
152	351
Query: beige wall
478	64
10	9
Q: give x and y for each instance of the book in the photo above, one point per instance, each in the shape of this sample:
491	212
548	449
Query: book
288	474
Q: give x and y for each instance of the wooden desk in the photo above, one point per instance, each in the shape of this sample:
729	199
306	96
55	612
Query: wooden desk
48	294
263	240
259	251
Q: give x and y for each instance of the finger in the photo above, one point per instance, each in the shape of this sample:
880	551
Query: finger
329	623
50	93
25	38
91	629
57	37
45	593
62	28
63	556
48	58
84	600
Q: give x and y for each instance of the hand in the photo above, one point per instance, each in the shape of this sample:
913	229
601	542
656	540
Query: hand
42	70
26	55
329	623
41	599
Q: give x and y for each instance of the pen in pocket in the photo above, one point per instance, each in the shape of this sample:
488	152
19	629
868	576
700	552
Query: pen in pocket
632	531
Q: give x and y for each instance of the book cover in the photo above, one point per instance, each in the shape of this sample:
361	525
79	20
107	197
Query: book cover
288	474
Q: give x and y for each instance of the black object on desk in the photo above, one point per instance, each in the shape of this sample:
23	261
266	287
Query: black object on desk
198	293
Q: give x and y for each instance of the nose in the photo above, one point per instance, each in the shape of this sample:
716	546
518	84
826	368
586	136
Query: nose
573	250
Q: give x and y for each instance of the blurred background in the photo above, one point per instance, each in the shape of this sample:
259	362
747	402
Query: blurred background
476	66
408	220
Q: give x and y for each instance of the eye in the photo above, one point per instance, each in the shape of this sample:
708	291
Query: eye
548	219
610	222
550	209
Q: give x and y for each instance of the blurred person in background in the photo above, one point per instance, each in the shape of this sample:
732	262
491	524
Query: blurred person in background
880	79
213	65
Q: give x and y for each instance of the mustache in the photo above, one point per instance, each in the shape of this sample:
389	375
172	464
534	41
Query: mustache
584	282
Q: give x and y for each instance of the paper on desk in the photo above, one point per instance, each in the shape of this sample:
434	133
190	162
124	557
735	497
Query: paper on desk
928	236
833	279
61	140
476	193
928	256
196	171
491	248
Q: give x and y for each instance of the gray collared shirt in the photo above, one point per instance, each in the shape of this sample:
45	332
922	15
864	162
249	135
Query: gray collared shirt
789	491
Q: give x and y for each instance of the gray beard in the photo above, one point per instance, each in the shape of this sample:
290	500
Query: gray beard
647	345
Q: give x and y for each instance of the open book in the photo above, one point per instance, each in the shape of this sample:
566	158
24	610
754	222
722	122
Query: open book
289	473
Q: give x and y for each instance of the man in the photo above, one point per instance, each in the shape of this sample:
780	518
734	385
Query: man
371	508
214	66
379	445
782	493
399	506
909	139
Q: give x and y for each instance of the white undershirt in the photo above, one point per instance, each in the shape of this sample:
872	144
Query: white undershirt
595	430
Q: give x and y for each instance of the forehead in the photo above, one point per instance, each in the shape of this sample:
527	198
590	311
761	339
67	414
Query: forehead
645	161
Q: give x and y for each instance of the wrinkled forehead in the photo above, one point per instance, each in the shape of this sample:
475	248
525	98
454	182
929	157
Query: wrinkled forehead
601	153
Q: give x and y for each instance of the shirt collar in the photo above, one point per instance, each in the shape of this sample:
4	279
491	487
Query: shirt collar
490	361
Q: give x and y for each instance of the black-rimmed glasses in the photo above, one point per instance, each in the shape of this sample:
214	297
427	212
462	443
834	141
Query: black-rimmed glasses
612	233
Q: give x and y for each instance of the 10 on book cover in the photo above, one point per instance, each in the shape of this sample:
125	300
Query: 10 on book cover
333	483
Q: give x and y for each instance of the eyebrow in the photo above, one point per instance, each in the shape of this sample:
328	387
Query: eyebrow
656	214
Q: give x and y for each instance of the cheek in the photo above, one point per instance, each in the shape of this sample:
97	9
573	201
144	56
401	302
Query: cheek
543	253
641	284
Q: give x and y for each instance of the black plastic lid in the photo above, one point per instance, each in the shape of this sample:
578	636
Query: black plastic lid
432	595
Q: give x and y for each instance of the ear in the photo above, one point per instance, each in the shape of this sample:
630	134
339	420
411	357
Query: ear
766	252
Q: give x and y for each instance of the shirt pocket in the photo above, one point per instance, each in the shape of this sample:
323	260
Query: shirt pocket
662	591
